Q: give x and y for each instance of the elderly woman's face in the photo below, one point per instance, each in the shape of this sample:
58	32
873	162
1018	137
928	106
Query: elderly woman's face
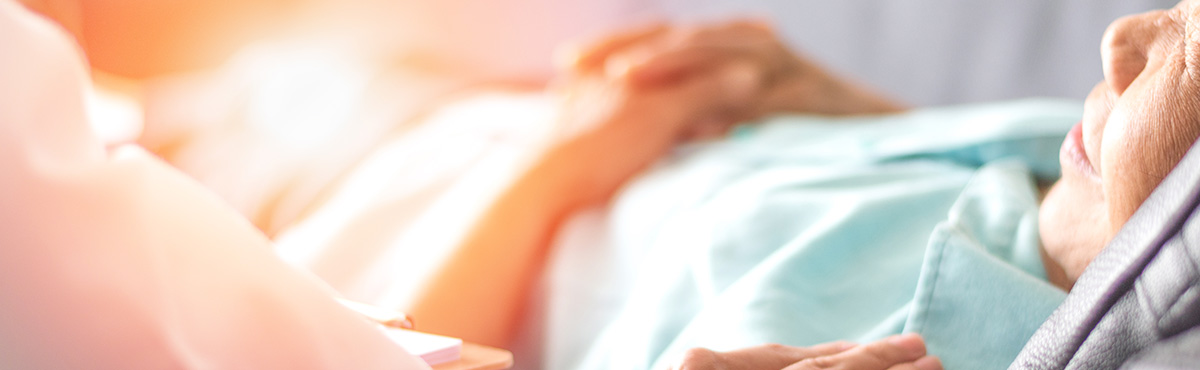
1137	125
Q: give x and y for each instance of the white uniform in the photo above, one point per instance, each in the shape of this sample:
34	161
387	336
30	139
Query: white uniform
113	260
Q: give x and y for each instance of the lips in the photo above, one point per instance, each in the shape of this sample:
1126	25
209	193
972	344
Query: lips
1074	155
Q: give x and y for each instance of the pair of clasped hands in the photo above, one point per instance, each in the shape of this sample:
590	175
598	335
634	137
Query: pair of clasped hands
627	98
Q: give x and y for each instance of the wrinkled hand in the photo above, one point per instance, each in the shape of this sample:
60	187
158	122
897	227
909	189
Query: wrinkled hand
630	97
760	74
904	352
610	129
626	101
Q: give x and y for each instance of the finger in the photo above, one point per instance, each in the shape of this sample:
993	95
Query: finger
880	355
675	65
776	356
703	107
590	55
684	51
831	348
684	61
924	363
756	25
681	46
705	130
700	359
708	129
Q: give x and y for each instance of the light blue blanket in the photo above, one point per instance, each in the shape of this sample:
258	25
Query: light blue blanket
806	230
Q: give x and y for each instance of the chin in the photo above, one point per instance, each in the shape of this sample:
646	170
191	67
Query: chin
1074	228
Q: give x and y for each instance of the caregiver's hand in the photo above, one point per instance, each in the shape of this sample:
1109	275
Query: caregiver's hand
904	352
609	129
762	76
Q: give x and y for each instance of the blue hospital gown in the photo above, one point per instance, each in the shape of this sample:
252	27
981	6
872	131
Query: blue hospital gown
805	230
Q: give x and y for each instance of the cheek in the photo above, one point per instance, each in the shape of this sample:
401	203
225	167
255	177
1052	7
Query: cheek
1099	107
1147	134
1123	167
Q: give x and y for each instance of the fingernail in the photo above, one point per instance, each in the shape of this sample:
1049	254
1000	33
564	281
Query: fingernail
928	363
909	342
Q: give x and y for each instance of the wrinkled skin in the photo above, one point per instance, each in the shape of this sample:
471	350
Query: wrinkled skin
1137	125
646	89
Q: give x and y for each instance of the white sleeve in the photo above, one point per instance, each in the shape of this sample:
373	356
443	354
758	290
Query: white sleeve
115	260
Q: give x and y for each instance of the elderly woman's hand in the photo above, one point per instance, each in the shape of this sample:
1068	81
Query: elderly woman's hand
759	74
629	98
904	352
609	129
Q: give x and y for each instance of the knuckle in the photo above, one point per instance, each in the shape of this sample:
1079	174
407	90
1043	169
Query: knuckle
883	353
842	344
746	24
755	26
784	351
823	362
694	35
698	358
657	26
897	350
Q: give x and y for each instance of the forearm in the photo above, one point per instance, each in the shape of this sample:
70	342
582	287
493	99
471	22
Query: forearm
478	294
606	133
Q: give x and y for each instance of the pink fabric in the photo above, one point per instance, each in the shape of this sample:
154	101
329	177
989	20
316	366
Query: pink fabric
115	260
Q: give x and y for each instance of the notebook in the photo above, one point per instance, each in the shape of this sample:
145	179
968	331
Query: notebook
433	349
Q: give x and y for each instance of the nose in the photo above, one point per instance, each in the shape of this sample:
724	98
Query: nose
1126	46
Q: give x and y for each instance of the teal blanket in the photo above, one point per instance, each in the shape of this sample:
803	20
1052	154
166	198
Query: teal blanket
805	230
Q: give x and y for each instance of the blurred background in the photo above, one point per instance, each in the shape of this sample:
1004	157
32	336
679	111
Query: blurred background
922	51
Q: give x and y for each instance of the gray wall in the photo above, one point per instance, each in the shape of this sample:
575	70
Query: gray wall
944	51
922	51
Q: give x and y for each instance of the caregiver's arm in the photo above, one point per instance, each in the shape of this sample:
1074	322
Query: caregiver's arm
774	79
626	100
608	130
